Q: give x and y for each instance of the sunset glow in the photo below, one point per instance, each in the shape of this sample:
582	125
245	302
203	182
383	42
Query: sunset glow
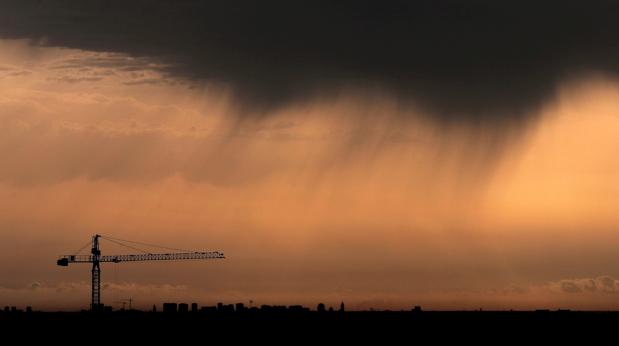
352	197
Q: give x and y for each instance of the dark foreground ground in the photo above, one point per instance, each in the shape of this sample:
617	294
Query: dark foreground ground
302	327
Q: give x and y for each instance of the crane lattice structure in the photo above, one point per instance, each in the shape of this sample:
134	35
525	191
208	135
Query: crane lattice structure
96	258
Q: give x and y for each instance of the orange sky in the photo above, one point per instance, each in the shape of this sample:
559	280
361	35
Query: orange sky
355	198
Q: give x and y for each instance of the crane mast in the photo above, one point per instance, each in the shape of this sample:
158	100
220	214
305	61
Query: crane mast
96	258
96	273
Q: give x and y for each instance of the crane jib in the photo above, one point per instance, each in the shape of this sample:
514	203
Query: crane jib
65	260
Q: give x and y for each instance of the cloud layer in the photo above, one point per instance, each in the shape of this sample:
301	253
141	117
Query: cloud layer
457	60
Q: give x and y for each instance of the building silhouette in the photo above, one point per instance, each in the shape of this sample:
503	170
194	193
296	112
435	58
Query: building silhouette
169	307
208	309
183	307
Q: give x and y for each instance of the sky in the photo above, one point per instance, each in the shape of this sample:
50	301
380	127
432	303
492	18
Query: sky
448	154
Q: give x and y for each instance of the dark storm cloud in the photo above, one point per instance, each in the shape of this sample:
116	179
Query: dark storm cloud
457	59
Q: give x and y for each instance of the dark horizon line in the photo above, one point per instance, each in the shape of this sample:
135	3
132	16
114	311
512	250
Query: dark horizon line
239	308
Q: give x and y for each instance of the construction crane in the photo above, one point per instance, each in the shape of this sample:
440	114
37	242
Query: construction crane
96	258
124	303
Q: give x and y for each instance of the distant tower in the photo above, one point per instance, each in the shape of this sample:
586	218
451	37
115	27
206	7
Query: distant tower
320	308
154	308
342	307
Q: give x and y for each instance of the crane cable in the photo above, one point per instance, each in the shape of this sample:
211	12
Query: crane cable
82	248
145	244
127	246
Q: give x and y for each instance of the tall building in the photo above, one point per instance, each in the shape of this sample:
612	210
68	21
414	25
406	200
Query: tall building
169	307
183	307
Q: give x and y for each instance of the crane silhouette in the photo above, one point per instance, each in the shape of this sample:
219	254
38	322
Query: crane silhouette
124	303
96	258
